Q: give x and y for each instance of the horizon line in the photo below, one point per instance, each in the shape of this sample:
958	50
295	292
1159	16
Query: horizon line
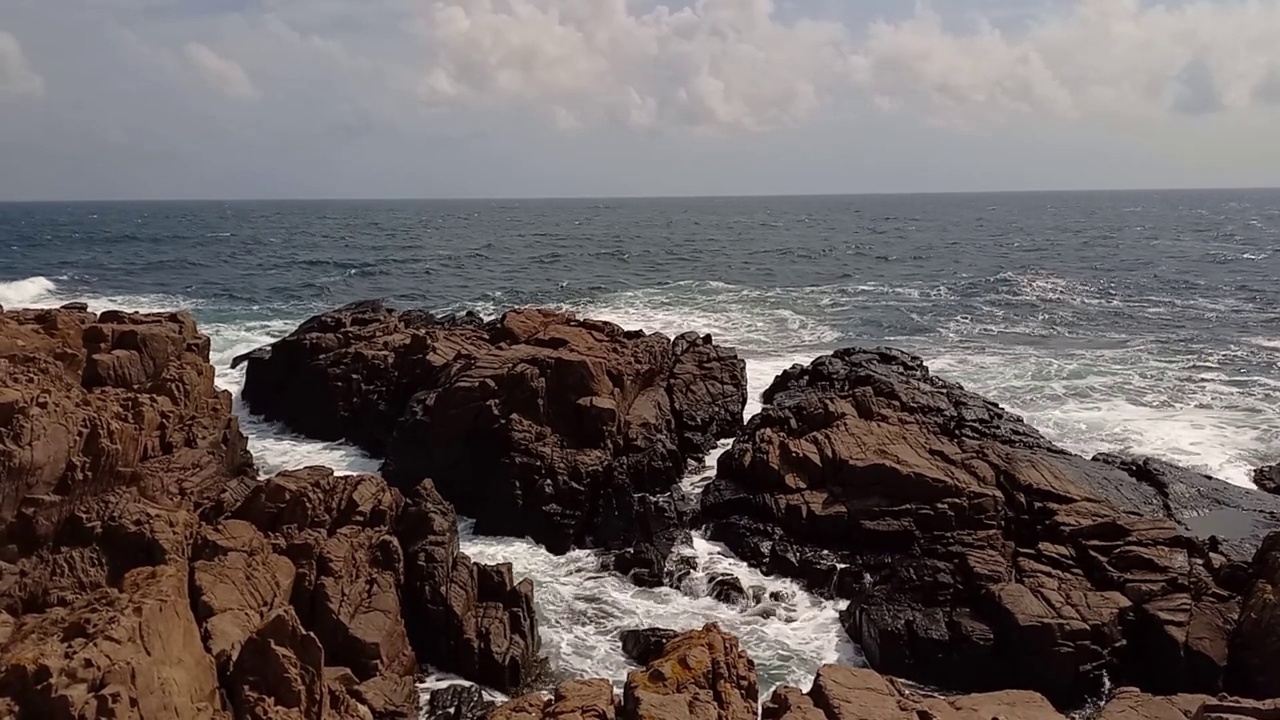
721	196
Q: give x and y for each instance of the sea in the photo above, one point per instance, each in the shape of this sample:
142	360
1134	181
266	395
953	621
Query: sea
1135	321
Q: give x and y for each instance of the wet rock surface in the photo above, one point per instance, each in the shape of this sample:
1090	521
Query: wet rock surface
468	618
538	424
976	554
1267	479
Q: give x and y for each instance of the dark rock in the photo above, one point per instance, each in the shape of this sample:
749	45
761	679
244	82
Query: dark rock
457	702
1255	649
280	672
537	424
468	618
976	554
646	645
726	588
1268	479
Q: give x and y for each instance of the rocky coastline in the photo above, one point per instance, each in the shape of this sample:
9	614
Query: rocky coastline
147	569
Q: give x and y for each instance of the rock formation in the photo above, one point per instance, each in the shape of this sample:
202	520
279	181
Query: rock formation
536	424
844	693
1267	479
467	618
146	572
976	554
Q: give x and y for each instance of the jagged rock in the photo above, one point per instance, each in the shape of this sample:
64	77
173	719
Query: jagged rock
348	373
279	672
457	702
468	618
128	652
337	531
726	588
646	645
1255	650
535	424
843	693
1267	478
976	554
701	674
90	403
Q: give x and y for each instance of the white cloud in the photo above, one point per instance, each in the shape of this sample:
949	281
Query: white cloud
726	64
224	75
736	65
17	79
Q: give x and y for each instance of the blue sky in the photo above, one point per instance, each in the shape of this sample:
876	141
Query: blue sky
450	98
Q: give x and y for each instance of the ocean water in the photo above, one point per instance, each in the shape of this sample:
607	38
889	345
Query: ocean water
1144	321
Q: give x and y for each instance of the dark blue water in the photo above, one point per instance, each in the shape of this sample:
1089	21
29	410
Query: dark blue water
1144	321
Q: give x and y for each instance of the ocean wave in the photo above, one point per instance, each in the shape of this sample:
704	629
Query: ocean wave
26	292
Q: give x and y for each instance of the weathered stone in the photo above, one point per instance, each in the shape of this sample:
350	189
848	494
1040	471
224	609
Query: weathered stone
976	554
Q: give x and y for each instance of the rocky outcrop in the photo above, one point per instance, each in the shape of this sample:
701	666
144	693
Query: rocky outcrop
1255	652
844	693
976	554
467	618
93	402
1267	479
145	571
700	674
536	423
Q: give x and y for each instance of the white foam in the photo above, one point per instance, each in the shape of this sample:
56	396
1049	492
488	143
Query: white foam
28	292
1131	401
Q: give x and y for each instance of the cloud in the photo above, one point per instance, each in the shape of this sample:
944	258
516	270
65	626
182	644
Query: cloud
721	64
738	65
17	79
224	75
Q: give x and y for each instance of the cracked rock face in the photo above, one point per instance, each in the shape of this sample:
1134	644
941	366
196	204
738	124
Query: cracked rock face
976	554
570	431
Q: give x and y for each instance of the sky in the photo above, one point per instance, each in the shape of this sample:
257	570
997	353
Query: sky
121	99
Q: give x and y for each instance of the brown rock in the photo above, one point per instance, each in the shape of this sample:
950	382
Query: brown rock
701	674
843	693
1255	650
337	532
976	554
89	403
279	673
1133	704
471	619
132	652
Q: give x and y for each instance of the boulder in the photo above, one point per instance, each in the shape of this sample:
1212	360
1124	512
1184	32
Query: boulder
457	702
700	674
1267	479
573	700
646	645
469	618
844	693
1255	649
976	554
536	424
